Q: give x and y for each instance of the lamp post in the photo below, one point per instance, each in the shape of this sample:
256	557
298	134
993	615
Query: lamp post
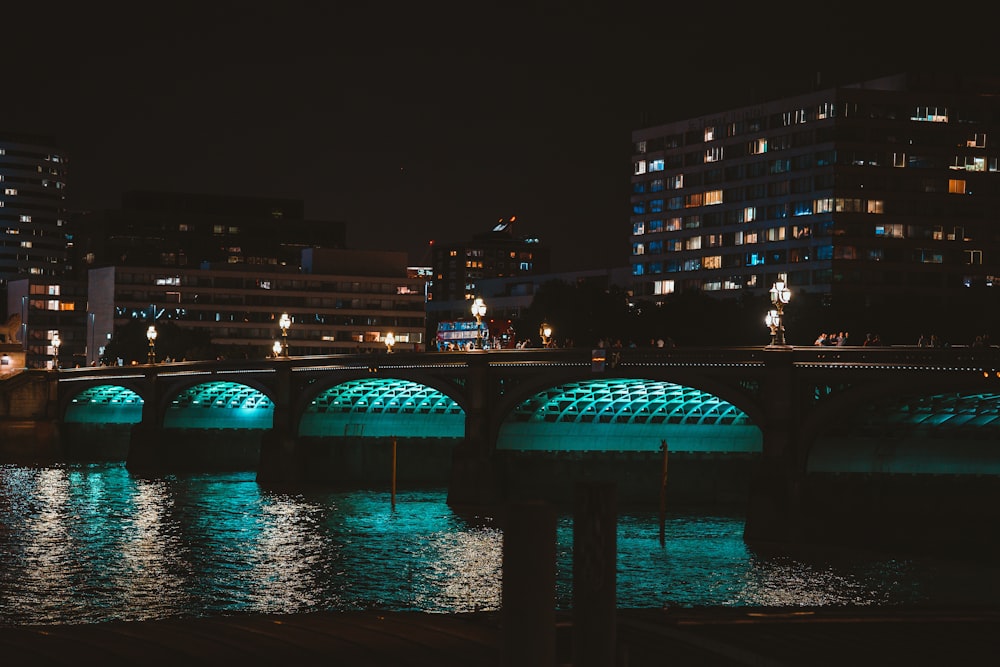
55	350
276	348
390	340
151	337
479	309
545	332
284	322
775	319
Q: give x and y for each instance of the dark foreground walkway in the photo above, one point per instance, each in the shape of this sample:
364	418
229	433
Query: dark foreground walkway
645	637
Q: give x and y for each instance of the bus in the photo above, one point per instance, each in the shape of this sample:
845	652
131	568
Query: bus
462	334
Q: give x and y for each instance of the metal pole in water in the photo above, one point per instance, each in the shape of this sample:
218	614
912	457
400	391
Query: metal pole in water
663	495
393	472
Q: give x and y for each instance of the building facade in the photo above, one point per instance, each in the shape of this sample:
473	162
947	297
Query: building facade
458	267
33	240
341	301
874	189
191	230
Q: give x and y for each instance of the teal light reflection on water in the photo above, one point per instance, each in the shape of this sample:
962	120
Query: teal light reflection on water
92	543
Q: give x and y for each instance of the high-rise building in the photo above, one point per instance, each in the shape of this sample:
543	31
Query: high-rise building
870	190
170	229
33	241
499	253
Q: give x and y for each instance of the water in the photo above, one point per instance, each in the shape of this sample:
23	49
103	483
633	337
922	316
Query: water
91	543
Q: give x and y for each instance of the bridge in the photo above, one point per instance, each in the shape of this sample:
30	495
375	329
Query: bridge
812	437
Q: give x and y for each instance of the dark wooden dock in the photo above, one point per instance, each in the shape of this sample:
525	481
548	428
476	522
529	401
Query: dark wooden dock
730	636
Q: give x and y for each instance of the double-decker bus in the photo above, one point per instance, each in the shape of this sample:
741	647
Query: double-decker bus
462	334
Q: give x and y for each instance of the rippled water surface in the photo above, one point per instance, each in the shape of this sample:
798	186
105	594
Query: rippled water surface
91	543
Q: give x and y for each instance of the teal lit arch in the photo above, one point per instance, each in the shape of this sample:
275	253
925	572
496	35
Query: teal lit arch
104	404
628	415
383	407
220	405
949	433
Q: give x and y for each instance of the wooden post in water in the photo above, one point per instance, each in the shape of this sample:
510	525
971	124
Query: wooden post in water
394	472
663	495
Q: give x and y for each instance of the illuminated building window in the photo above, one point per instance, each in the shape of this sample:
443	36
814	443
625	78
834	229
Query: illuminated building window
973	256
713	154
713	197
656	164
876	206
638	228
693	200
693	243
663	287
899	159
931	114
978	140
956	186
712	262
893	231
10	191
675	182
757	146
709	134
638	249
749	214
639	168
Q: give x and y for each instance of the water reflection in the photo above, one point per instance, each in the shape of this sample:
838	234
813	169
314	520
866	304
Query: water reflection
90	543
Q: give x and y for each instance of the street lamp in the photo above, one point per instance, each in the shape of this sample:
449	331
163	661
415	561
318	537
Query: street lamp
284	322
545	331
390	340
55	350
151	337
276	348
775	319
479	309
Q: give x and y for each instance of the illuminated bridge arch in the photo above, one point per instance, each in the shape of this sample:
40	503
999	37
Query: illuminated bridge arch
104	404
945	433
383	407
220	405
628	415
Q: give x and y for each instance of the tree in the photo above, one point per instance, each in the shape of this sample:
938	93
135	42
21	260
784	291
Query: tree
129	343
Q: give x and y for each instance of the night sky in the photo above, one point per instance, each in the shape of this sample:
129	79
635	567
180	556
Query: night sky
412	122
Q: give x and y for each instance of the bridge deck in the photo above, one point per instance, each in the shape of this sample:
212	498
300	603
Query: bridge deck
645	637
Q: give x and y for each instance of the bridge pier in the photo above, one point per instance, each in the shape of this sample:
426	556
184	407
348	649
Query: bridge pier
774	503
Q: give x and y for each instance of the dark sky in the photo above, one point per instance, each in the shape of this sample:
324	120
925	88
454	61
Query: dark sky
414	121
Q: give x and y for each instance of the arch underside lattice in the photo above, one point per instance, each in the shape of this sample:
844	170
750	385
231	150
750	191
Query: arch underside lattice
383	407
104	404
951	433
628	415
220	405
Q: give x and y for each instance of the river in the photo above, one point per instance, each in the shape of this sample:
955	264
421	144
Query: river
87	543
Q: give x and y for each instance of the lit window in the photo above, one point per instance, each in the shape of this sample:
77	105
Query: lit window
876	206
10	191
749	214
973	256
899	159
713	154
713	262
693	243
663	287
638	248
709	134
757	146
978	140
656	164
713	197
931	114
956	186
639	168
